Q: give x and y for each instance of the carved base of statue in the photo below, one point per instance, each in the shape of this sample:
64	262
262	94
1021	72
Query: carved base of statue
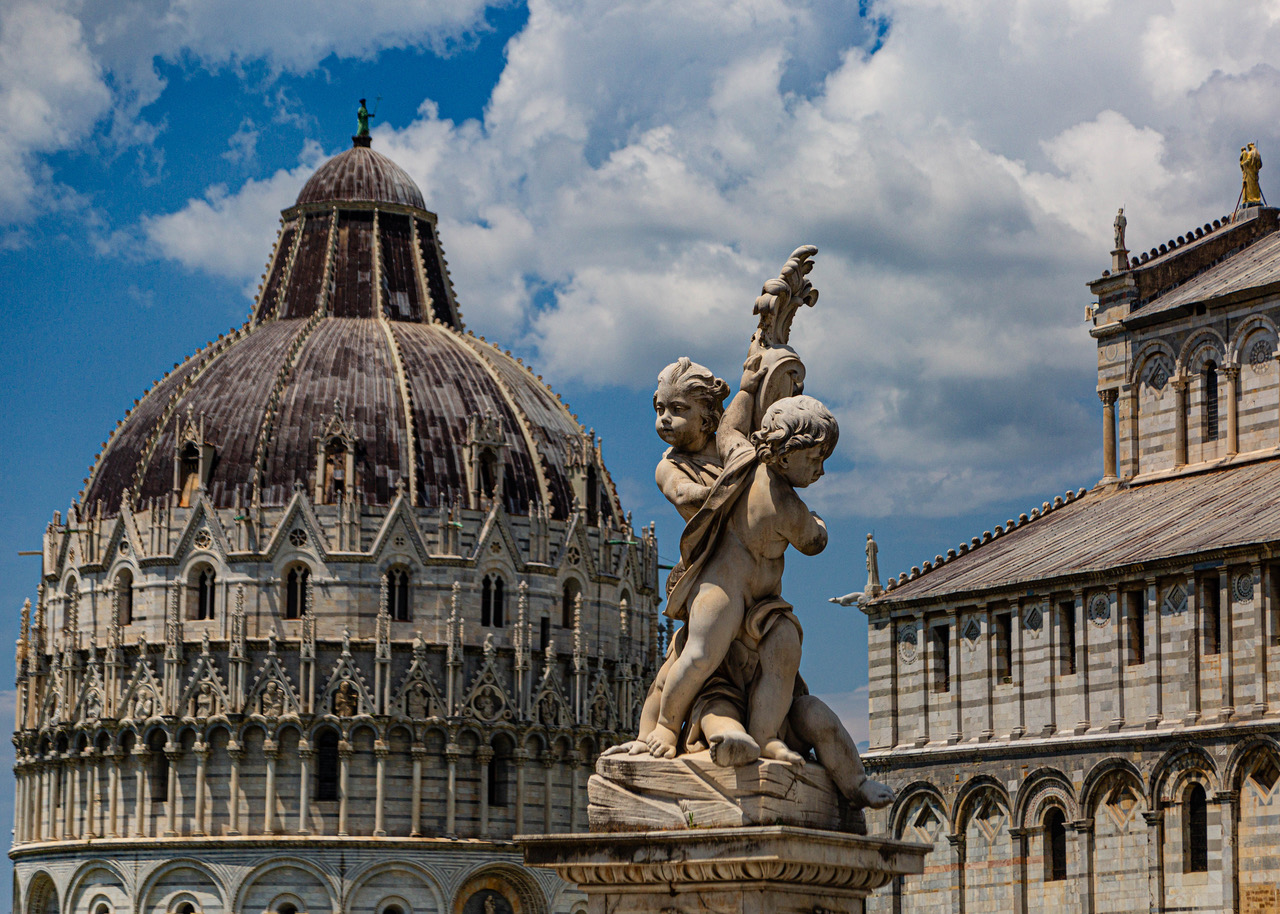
640	793
777	869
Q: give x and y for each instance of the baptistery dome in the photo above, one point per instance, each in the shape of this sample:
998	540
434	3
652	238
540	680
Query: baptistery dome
347	601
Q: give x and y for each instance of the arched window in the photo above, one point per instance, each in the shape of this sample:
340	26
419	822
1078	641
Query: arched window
188	474
499	775
398	593
493	601
1195	814
593	492
1210	401
327	765
568	597
185	908
544	633
158	780
295	591
393	909
201	593
488	473
286	907
102	908
335	470
124	596
1055	845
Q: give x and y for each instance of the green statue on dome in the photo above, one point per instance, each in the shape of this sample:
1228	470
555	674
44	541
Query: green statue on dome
362	118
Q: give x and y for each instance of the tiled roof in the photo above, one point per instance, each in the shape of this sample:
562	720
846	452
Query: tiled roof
360	174
1112	528
1255	267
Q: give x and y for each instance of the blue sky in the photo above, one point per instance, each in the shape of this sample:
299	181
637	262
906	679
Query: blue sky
614	181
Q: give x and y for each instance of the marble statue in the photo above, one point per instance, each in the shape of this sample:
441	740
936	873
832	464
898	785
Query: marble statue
730	684
1250	165
1118	226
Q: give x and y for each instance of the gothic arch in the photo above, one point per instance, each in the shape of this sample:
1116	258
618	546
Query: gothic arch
362	877
529	895
908	795
153	879
1145	354
1242	333
1099	776
254	877
970	792
1042	788
91	868
1245	755
42	894
1189	354
1171	773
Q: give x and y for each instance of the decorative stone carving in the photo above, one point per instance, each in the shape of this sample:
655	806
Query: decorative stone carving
1100	609
908	640
730	685
1261	355
1033	619
971	632
1243	587
1175	601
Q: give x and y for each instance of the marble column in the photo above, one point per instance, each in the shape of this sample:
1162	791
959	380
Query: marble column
1020	837
521	756
95	796
548	768
1226	641
485	757
380	752
1232	374
344	783
270	752
1083	875
988	637
1155	858
171	759
305	755
1180	385
1262	614
140	791
1155	655
452	752
1228	805
202	759
957	843
235	753
1082	660
113	795
1108	398
415	814
575	769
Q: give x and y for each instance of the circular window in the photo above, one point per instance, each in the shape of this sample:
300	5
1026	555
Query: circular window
298	536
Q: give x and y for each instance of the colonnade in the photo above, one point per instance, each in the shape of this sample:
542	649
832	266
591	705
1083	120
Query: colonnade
60	796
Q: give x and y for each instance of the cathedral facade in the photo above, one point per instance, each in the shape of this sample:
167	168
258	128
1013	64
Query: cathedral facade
347	601
1080	708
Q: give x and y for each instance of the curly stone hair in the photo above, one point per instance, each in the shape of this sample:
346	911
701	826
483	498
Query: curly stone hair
699	384
794	424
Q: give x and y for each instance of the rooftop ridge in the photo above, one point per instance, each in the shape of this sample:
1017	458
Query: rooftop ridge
919	571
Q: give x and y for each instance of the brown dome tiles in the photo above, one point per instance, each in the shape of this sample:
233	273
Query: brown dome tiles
231	396
448	387
360	174
348	361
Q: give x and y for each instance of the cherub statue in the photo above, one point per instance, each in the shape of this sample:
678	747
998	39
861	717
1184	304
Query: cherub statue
688	404
1250	165
733	551
745	522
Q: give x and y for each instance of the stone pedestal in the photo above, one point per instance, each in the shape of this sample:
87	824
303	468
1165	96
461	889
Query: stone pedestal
775	869
640	792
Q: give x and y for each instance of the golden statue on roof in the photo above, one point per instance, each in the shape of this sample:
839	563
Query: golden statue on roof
1250	165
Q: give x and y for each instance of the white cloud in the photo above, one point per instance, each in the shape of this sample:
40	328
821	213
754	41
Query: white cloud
230	235
647	167
71	69
51	95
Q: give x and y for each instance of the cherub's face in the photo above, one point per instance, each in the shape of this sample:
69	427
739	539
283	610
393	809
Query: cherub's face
680	421
801	468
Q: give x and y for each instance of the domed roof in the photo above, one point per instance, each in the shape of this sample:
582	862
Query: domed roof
360	174
356	344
